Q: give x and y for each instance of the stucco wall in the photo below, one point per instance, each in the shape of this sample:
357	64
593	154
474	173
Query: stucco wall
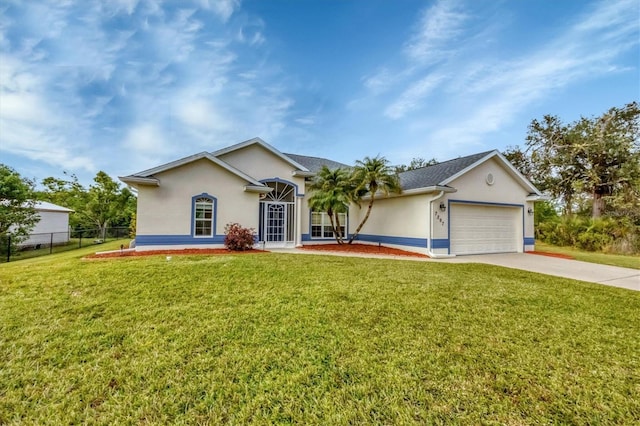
167	209
261	164
472	185
398	216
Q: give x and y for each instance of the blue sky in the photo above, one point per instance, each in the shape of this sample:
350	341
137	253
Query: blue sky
124	85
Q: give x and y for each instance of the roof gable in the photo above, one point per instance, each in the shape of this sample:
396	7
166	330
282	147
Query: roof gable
266	146
437	174
442	174
148	176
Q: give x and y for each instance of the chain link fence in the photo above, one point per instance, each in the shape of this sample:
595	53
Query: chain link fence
55	242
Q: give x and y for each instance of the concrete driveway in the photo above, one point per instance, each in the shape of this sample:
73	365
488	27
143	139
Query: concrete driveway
591	272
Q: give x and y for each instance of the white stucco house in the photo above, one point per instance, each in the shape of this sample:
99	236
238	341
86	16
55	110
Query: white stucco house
469	205
52	226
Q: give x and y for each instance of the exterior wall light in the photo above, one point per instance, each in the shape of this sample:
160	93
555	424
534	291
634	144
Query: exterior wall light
443	207
530	211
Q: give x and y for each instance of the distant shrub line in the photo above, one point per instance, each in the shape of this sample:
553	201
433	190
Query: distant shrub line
609	235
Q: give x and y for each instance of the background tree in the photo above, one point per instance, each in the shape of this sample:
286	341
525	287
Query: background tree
332	193
522	162
416	163
107	203
372	176
102	205
596	160
610	154
17	200
68	193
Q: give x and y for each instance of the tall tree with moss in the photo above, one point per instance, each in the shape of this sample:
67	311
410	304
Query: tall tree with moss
332	192
372	177
18	215
593	159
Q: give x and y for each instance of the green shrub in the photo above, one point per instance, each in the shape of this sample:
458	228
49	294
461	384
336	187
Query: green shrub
238	238
611	235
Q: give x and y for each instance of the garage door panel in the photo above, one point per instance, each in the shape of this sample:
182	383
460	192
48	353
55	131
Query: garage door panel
477	229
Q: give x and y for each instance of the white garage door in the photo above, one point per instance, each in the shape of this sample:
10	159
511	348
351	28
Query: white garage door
478	229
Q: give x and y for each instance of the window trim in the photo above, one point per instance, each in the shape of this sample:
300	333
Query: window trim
214	213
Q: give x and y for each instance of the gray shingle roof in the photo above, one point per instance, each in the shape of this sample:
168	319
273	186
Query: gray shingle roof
438	173
314	164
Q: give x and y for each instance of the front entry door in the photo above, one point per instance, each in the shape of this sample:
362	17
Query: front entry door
275	221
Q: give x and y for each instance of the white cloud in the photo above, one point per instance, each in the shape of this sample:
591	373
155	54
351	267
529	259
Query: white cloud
587	49
379	81
413	97
223	8
439	25
306	121
451	90
128	6
251	33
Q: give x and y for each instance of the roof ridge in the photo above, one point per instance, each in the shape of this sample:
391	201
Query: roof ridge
450	160
309	156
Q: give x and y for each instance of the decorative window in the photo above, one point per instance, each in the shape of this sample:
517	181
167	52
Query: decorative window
321	225
203	217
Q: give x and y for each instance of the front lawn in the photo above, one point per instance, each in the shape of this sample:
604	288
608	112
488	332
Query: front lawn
625	261
310	339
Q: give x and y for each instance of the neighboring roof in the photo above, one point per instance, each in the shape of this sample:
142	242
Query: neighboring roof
147	177
442	174
45	206
258	141
314	164
438	173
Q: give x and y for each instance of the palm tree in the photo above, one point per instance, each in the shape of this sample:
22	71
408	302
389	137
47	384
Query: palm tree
332	193
373	176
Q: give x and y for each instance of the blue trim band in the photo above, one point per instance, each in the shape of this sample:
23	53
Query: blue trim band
440	243
167	240
400	241
529	241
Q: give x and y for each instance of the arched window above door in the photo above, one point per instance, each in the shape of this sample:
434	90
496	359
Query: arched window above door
282	192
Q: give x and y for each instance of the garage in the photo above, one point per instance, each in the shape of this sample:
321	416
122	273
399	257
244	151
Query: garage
485	228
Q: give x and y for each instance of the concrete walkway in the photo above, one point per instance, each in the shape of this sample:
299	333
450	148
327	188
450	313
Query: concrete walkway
614	276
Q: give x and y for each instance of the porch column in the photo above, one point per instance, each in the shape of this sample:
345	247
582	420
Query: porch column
299	221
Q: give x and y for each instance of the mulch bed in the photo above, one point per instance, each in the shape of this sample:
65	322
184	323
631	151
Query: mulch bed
169	252
546	253
340	248
362	248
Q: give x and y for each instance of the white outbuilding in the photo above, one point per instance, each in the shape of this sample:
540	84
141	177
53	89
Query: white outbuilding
53	226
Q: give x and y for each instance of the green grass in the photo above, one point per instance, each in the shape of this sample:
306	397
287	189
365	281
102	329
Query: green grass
73	244
625	261
307	339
